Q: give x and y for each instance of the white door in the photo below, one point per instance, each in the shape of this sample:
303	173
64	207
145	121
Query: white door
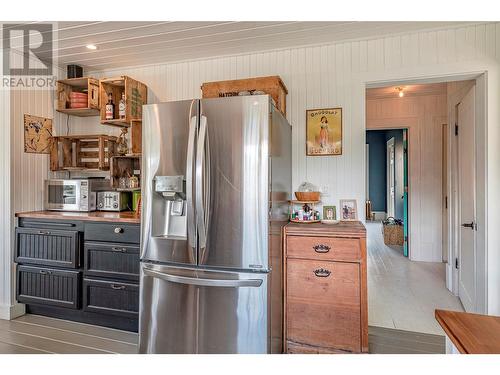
391	188
467	195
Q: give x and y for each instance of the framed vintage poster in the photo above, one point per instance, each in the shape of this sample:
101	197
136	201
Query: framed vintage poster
348	210
324	132
37	134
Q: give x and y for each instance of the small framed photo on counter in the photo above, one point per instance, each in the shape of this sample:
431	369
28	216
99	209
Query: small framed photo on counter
329	213
348	210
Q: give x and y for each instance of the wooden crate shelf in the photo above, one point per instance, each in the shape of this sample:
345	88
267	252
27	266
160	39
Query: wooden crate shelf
124	166
82	152
87	85
136	95
272	85
136	137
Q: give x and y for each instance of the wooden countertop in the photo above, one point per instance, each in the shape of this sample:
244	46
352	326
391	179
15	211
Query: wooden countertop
120	217
344	228
471	333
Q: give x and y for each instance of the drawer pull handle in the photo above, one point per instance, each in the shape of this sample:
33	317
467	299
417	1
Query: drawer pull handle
321	272
117	287
43	272
118	230
322	248
43	232
119	249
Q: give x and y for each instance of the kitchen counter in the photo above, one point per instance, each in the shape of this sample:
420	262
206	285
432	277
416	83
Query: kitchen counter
102	216
471	333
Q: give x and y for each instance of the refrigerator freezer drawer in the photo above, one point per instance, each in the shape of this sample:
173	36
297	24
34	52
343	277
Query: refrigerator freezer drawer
196	311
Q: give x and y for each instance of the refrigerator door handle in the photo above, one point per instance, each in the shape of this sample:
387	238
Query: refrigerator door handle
189	184
204	282
202	187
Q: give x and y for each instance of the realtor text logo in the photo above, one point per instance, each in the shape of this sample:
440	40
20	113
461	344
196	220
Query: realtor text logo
27	51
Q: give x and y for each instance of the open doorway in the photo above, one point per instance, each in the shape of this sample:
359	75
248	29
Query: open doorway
407	281
387	182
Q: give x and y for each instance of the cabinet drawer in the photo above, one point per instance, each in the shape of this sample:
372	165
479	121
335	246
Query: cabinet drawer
111	260
48	286
115	232
324	304
324	248
110	297
48	247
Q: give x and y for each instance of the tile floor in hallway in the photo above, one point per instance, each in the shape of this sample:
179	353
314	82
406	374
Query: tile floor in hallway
403	294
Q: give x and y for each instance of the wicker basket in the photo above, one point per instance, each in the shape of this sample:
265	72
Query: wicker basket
307	195
393	234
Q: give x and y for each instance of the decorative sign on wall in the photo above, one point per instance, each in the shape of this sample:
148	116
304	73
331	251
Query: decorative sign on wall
37	134
324	132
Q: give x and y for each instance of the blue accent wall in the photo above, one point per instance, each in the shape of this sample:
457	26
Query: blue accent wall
377	169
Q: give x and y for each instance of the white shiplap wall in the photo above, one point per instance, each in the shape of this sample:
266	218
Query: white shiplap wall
332	75
5	207
324	76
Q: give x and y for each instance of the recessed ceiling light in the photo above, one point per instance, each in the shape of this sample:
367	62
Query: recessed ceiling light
91	46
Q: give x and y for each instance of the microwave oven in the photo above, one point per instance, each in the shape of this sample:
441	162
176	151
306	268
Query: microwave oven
73	194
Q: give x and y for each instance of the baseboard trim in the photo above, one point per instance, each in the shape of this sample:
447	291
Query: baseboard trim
12	312
379	215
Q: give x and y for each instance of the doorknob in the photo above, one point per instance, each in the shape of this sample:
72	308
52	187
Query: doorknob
470	225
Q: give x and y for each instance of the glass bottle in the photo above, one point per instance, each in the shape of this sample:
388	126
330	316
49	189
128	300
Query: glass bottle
121	143
122	106
110	108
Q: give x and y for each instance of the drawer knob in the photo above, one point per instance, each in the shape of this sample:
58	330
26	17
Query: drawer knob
321	272
119	249
321	248
118	230
117	287
43	232
43	272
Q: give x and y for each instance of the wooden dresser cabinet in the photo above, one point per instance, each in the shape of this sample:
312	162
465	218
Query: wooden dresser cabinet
325	288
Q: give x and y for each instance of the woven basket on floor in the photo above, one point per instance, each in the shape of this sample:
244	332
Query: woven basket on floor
393	234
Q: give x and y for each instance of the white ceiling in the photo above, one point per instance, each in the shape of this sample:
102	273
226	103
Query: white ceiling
409	90
122	44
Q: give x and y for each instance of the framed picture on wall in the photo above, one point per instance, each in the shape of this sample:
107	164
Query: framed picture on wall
37	134
348	210
324	132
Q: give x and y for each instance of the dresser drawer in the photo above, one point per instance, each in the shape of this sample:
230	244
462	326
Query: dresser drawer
323	248
324	304
111	260
115	232
48	286
111	297
48	247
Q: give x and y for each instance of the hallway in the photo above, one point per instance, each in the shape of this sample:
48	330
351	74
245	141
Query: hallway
403	294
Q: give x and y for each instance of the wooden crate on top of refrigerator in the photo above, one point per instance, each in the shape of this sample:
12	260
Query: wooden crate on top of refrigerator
272	85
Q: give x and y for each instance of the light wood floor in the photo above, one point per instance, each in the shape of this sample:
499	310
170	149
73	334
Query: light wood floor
35	334
403	294
394	341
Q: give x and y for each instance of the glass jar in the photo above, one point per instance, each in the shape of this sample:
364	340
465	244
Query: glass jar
133	182
123	183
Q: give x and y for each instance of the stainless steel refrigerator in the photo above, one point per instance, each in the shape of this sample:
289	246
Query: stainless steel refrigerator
216	182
